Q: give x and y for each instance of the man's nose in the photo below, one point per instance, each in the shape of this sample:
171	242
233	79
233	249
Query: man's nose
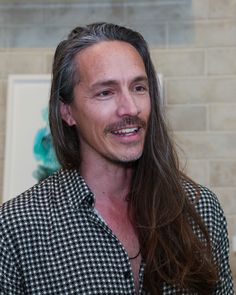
128	105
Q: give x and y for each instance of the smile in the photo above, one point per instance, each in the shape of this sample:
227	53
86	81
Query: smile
126	131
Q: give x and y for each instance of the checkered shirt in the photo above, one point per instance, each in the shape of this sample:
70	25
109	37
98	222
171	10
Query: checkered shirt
52	242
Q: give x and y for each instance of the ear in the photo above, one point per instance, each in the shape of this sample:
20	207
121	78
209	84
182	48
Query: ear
66	114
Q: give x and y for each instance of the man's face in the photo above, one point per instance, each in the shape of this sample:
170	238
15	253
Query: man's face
111	103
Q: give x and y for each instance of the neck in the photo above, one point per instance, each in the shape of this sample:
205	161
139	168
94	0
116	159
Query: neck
108	180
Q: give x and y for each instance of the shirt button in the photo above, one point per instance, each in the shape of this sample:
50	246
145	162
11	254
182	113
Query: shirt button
127	274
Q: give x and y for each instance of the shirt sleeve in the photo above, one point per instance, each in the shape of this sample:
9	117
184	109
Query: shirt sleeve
10	277
221	253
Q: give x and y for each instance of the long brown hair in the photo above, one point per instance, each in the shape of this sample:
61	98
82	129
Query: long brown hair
160	208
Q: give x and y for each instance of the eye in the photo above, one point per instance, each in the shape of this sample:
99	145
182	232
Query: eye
104	94
140	89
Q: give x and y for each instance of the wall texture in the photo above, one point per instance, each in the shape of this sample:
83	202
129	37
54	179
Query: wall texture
193	44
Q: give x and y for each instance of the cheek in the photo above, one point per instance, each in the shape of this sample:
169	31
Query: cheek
147	107
100	114
91	123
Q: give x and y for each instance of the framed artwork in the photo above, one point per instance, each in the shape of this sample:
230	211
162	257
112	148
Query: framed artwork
27	133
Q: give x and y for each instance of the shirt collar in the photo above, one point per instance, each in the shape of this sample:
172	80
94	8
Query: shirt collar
74	187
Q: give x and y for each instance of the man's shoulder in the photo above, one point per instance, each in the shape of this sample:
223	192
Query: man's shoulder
33	201
40	190
207	205
201	196
54	193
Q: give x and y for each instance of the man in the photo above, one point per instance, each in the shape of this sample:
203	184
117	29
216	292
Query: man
120	217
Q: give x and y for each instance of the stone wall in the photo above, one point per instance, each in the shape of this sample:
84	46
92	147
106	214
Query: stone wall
193	44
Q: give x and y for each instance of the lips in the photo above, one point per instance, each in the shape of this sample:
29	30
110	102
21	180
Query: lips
128	125
126	131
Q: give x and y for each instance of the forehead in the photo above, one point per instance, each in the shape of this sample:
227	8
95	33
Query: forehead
111	46
107	55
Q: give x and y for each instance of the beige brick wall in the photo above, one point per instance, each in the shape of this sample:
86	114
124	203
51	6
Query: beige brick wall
193	45
199	68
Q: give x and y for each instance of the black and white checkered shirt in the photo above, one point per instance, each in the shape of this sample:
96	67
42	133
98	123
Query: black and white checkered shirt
52	242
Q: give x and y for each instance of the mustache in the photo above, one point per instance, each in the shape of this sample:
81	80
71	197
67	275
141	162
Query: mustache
126	122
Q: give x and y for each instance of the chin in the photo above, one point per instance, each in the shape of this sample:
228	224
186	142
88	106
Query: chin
130	158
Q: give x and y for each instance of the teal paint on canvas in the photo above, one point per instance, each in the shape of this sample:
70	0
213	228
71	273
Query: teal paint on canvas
44	152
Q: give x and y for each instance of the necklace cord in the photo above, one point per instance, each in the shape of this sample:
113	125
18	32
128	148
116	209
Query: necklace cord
130	258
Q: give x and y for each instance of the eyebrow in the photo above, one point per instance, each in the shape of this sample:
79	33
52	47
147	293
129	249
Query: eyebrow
115	82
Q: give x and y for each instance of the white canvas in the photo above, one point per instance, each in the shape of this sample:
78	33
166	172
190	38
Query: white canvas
28	95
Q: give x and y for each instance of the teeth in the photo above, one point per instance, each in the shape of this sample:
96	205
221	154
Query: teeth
126	131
